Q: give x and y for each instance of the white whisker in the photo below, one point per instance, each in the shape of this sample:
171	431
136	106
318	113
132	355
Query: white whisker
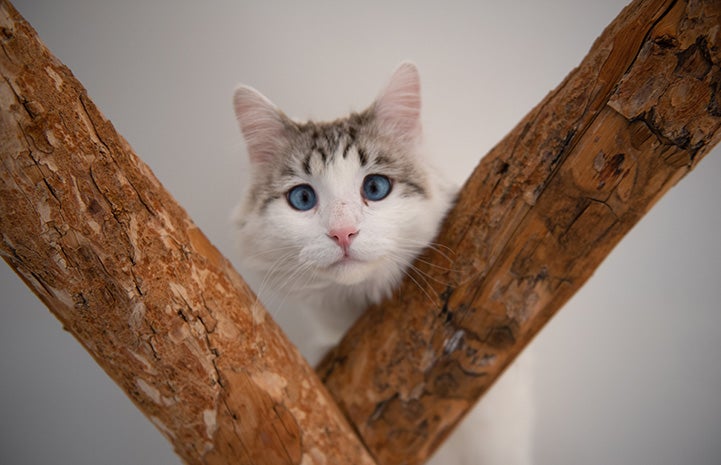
436	247
270	251
272	276
406	266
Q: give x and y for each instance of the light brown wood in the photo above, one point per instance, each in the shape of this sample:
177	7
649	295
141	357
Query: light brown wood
93	233
539	214
88	227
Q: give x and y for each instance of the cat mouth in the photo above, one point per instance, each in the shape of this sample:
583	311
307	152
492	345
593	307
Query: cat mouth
347	263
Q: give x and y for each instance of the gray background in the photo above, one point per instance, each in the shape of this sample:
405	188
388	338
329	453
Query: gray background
627	373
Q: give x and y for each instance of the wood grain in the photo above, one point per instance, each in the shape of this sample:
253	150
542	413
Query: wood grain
536	218
92	232
88	227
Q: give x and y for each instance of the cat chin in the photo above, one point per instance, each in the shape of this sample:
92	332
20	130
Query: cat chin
350	272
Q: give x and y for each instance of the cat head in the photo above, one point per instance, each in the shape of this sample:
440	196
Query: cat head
348	202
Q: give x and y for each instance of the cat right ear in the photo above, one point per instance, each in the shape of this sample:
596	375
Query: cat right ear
261	123
398	108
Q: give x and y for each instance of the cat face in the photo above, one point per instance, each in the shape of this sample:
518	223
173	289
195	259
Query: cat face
348	202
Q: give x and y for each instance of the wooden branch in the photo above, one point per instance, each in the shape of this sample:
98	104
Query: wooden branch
90	229
538	215
93	233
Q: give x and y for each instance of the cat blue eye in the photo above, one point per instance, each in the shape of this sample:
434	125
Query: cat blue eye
302	197
376	187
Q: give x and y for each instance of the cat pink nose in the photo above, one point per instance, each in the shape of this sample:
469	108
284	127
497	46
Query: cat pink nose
343	236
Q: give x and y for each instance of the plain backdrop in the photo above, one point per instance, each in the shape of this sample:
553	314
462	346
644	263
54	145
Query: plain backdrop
629	372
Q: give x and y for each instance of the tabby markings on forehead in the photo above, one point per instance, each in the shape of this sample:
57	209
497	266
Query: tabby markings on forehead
306	164
326	138
346	149
317	147
333	150
362	156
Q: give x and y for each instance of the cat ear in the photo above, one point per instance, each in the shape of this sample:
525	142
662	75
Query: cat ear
398	108
261	123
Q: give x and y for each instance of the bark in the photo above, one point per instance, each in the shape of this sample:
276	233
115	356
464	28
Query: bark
92	232
538	215
88	227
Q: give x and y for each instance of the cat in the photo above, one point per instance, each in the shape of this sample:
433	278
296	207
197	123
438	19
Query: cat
337	211
333	218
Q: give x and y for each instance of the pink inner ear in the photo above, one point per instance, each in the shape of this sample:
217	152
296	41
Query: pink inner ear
399	106
260	122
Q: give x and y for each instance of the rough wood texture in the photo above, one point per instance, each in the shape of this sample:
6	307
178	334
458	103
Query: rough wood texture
538	215
88	227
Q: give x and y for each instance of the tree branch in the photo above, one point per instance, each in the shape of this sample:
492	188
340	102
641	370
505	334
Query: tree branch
88	227
92	232
537	217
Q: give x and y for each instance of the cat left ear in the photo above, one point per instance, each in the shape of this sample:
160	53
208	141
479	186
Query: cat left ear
262	124
398	108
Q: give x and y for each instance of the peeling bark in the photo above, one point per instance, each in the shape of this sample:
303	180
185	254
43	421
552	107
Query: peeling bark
538	215
92	232
89	228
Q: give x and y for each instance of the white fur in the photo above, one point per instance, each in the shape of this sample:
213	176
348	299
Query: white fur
300	273
294	248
